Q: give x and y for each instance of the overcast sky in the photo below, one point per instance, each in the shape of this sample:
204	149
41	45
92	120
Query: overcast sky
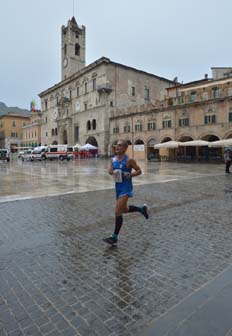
169	38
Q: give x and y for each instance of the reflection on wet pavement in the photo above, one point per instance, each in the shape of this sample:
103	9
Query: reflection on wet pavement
23	180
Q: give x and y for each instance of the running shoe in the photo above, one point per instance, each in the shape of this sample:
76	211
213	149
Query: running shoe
145	211
110	240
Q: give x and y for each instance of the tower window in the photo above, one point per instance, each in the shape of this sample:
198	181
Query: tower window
133	91
86	88
65	49
77	49
88	126
78	91
94	124
94	84
146	94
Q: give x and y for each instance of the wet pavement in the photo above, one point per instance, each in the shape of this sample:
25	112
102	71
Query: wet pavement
57	277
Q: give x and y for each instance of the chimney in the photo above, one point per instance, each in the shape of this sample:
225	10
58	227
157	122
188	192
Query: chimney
206	76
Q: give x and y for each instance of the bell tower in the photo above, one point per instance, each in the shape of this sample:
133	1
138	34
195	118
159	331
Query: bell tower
72	48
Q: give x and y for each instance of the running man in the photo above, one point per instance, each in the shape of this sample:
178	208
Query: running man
123	169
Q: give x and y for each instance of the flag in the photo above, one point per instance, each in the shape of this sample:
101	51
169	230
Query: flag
33	106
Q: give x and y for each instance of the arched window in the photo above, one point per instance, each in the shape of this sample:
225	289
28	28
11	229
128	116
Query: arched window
94	124
77	49
88	126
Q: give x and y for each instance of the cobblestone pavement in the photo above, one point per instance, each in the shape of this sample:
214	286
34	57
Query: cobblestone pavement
57	277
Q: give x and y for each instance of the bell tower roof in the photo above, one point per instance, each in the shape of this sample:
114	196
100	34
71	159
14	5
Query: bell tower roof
73	20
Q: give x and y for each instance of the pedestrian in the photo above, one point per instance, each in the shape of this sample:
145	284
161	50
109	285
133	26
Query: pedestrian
123	169
227	158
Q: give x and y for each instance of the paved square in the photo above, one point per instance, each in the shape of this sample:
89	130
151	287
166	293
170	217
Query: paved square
57	277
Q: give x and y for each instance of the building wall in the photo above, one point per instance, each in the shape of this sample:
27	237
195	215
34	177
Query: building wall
65	109
31	134
195	112
11	130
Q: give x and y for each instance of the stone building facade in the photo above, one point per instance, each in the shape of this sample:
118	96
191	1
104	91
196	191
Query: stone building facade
11	130
197	110
79	106
31	133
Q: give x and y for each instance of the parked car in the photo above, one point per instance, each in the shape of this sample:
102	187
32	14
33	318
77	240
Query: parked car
4	155
21	153
26	156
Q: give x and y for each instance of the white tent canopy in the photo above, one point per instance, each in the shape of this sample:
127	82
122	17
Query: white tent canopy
88	147
77	145
168	144
194	143
221	143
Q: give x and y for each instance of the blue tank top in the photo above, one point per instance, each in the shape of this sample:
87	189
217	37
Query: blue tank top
122	165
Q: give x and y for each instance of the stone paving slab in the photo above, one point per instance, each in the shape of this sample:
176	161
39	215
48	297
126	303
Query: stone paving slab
57	277
206	312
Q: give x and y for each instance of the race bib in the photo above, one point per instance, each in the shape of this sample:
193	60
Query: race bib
117	173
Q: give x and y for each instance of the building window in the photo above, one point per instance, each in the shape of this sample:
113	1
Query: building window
78	91
210	119
57	100
111	103
88	126
76	133
184	122
94	84
1	125
13	123
46	104
151	126
46	134
215	92
146	94
13	134
167	123
230	116
77	49
133	91
86	106
70	94
53	132
127	129
65	49
193	96
56	131
24	124
94	124
116	130
86	87
138	127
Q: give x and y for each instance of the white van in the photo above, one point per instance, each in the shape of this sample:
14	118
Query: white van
60	152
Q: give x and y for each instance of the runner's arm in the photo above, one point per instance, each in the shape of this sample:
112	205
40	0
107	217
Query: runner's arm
110	168
137	170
